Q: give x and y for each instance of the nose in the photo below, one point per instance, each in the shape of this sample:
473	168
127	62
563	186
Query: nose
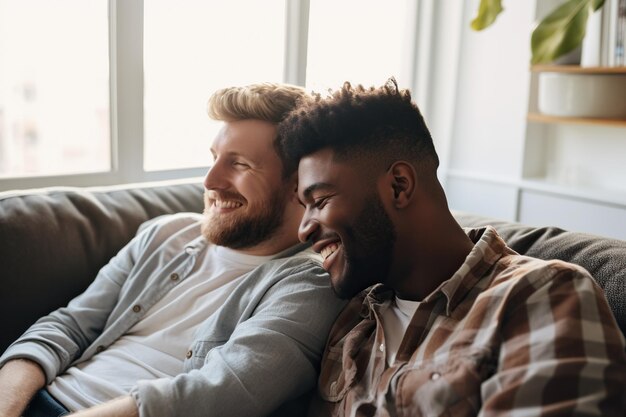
308	227
214	178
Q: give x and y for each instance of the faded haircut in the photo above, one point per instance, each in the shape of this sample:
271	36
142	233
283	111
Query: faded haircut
379	125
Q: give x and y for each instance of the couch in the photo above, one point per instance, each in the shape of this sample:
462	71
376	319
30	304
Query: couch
53	241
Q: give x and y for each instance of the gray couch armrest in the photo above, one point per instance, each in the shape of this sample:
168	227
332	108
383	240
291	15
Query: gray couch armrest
604	258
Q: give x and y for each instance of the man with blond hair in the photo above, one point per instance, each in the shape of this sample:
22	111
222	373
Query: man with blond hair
222	313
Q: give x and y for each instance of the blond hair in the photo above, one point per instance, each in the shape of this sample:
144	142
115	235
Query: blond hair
269	102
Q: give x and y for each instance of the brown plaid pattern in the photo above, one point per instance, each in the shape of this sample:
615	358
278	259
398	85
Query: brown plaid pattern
506	335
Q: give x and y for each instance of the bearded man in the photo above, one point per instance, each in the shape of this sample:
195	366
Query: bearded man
222	313
443	321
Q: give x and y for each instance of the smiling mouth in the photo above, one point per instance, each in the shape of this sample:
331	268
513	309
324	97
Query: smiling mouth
226	204
329	250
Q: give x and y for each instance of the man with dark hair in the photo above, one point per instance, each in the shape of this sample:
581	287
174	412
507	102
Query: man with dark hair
223	313
442	321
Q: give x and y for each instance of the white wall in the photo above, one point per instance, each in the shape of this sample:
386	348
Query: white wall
497	163
480	132
492	96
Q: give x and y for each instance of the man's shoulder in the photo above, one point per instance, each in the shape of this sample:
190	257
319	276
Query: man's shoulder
169	221
515	264
171	229
525	272
302	255
302	262
294	272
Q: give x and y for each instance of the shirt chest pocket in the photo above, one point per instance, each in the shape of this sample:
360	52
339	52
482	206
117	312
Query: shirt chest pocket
443	387
196	355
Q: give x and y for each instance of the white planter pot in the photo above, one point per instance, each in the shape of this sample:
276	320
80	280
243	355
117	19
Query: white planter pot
582	95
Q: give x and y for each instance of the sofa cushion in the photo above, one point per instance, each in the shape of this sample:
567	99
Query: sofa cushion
604	258
54	241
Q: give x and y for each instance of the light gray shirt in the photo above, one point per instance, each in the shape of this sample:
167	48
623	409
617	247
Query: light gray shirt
260	349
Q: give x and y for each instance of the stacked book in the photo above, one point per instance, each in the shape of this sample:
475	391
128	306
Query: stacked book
605	39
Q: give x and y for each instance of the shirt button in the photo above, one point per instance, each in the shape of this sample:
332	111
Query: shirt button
381	347
99	349
136	308
189	354
174	277
435	376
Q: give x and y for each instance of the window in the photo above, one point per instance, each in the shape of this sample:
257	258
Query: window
54	87
192	48
113	91
361	41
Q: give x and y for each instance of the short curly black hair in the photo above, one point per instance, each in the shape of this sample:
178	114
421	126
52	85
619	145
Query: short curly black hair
378	122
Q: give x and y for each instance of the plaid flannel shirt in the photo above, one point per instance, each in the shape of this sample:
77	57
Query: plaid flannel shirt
505	335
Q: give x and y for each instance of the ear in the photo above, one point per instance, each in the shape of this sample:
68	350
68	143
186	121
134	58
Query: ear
292	187
403	182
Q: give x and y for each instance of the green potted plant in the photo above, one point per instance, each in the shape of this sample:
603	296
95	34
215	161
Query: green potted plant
557	34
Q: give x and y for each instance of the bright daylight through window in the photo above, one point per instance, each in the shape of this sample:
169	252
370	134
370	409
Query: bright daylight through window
362	41
54	87
65	120
192	48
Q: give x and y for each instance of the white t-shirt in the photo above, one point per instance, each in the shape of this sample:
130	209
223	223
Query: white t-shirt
396	320
156	346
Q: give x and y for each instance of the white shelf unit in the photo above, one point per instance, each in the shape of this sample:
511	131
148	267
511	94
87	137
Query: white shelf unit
508	161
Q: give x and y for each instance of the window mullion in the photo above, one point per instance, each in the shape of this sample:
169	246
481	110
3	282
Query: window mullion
296	41
127	89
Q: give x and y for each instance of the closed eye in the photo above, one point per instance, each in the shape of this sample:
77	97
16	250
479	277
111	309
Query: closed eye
320	202
241	165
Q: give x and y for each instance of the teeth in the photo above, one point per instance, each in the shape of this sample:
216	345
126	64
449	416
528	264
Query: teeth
225	204
329	250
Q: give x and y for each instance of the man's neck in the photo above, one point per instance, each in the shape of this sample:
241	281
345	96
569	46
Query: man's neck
269	247
429	261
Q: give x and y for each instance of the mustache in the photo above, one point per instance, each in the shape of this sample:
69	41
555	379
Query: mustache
326	236
223	195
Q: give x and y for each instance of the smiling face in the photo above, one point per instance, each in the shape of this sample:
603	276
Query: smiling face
346	222
246	194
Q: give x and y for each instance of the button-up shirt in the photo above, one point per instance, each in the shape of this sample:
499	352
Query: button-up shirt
506	334
259	349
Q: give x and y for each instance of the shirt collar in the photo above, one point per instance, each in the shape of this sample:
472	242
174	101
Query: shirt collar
200	243
373	298
488	249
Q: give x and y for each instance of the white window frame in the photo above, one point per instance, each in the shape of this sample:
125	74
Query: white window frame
126	95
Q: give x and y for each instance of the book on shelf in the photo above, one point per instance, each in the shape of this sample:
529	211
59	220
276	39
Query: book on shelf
620	38
605	38
591	53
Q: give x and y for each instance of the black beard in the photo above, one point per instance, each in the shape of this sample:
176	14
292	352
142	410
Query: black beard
369	249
